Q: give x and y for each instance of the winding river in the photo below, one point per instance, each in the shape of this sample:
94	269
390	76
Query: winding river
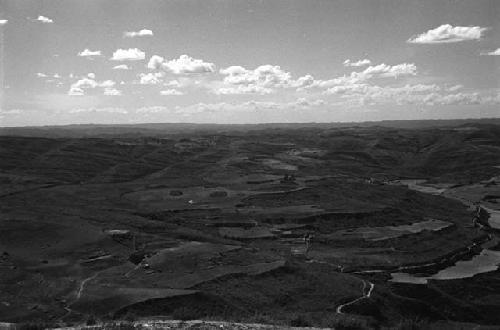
486	261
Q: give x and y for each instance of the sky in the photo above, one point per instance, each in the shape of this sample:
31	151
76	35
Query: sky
222	61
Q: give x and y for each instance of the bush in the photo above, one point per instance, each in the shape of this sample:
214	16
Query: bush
412	324
91	320
345	322
130	317
300	321
35	326
185	313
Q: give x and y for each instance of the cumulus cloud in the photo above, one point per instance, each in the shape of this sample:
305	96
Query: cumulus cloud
264	75
493	53
151	109
303	82
3	21
141	33
41	75
11	111
242	89
173	83
78	88
447	33
155	62
97	110
262	80
131	54
299	104
453	99
418	94
384	70
183	65
90	54
267	79
121	67
355	80
357	63
76	91
171	92
44	19
110	91
151	78
106	83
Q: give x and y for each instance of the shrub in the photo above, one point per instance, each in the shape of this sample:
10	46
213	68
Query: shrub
345	322
34	325
300	321
412	324
91	320
185	313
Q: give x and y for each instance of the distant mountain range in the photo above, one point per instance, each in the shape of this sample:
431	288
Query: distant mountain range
149	129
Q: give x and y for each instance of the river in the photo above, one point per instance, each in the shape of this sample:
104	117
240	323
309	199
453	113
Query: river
486	261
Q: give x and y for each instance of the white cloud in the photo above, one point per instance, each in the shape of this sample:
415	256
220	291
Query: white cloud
264	75
11	112
454	88
447	34
302	82
224	107
171	92
262	80
155	62
453	99
110	91
131	54
357	63
151	109
356	80
493	53
419	94
141	33
121	67
44	19
173	83
151	78
76	91
41	75
267	79
106	83
78	88
90	54
242	89
3	21
384	70
183	65
97	110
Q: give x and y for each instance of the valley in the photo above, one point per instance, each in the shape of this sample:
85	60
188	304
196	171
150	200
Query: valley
293	226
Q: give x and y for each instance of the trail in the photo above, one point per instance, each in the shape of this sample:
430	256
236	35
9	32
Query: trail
366	295
82	285
78	295
366	284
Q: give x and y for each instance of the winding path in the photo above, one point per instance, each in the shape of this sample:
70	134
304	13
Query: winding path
366	295
82	285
